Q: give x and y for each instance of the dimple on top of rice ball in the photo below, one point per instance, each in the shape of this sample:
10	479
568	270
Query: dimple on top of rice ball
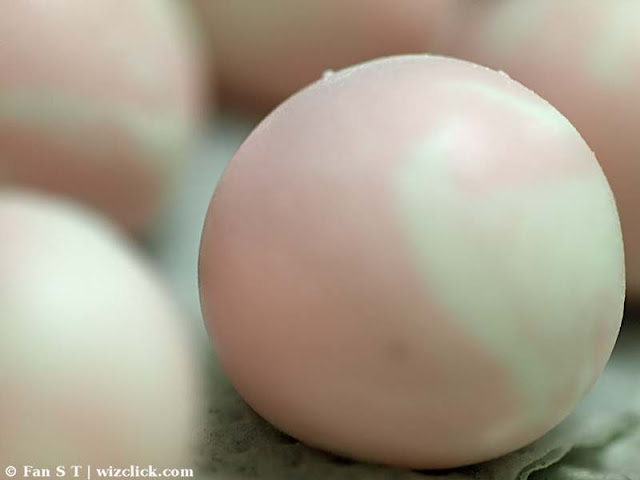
414	261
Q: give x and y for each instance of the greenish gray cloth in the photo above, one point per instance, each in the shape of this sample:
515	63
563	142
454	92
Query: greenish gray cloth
599	441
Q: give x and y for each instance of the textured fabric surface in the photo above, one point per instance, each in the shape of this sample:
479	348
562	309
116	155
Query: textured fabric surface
599	441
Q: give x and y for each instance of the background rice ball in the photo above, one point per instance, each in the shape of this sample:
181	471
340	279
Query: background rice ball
584	57
95	365
97	100
414	261
265	51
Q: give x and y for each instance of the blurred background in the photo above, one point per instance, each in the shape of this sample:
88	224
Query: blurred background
117	120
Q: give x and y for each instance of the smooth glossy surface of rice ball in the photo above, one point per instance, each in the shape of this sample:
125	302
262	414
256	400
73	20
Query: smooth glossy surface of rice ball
95	366
265	51
97	101
583	56
414	261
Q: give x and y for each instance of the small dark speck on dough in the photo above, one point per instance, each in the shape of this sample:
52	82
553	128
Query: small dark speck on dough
398	350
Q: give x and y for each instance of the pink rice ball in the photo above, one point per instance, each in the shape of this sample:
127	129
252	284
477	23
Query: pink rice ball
414	261
98	101
96	365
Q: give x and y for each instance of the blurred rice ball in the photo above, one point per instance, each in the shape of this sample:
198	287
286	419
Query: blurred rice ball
98	100
584	57
94	364
265	51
